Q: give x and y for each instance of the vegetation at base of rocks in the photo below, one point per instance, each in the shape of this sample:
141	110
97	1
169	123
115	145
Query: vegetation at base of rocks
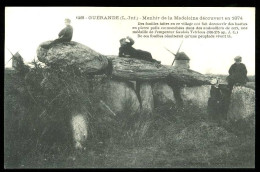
38	107
37	133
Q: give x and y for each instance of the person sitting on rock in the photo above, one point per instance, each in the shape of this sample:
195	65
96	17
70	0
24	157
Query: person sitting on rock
237	73
126	50
65	35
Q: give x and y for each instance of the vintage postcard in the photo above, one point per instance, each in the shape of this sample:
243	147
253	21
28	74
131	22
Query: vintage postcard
129	87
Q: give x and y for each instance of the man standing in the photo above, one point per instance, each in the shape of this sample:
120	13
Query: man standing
237	73
65	35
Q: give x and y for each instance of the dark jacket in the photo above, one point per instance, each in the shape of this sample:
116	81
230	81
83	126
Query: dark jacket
218	102
128	50
66	33
237	74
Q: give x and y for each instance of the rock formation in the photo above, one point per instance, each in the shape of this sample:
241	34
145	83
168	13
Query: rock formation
197	96
163	94
134	69
119	97
242	103
188	77
73	54
146	96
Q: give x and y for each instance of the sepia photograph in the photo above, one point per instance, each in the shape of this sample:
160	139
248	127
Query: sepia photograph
129	87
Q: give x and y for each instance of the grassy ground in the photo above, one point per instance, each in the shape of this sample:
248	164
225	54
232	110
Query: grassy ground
169	138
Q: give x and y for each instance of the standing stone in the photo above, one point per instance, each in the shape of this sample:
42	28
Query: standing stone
79	129
146	96
163	94
118	97
242	104
197	96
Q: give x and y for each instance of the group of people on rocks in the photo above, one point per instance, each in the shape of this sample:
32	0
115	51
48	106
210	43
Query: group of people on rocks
125	50
220	94
237	72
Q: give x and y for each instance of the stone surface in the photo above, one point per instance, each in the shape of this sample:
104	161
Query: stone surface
146	96
242	103
197	96
188	77
79	129
134	69
118	97
163	94
73	54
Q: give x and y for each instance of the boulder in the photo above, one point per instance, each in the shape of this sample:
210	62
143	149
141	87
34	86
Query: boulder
163	94
146	96
73	54
242	104
188	77
135	69
197	96
118	97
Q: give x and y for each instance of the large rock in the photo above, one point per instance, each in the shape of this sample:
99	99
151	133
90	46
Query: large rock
242	103
73	54
135	69
188	77
197	96
118	97
146	96
163	94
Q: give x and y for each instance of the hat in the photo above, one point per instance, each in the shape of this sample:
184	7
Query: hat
238	58
67	20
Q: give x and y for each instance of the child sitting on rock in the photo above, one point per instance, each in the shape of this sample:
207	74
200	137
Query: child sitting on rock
126	50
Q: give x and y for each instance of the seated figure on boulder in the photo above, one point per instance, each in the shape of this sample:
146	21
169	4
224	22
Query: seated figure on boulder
237	73
126	50
65	35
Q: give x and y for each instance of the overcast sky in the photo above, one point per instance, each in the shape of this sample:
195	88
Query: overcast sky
26	28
